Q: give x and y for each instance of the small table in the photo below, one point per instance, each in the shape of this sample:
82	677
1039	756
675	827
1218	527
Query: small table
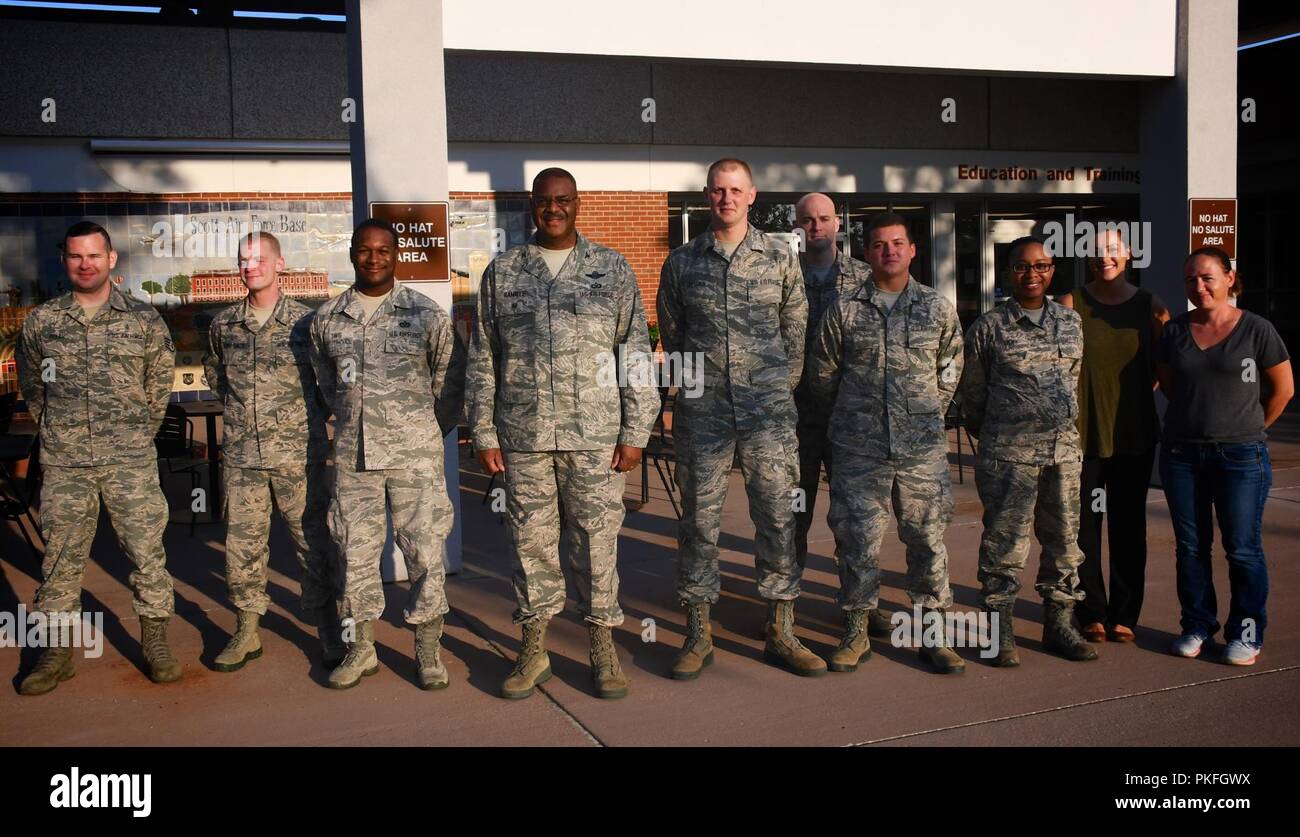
208	409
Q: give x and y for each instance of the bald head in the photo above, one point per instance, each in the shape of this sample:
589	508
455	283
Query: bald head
816	217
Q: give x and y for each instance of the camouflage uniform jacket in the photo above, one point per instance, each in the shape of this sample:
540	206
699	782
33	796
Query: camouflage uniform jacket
747	317
888	378
273	417
847	275
99	390
545	352
1018	391
395	384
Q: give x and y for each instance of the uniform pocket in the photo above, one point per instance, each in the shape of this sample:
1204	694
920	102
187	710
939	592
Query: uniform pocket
770	376
923	405
403	346
765	293
922	334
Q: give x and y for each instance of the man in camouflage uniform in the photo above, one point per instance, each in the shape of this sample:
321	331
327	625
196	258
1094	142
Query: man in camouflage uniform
886	361
95	368
274	446
731	302
558	319
828	274
1018	397
390	368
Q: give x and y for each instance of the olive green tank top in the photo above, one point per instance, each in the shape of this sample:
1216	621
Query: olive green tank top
1117	408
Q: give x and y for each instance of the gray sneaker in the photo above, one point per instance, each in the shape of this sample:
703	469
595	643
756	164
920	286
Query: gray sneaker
1188	645
1240	653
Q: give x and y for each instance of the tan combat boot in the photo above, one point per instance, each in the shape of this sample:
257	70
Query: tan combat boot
605	670
697	650
533	666
855	646
163	667
433	674
52	667
1059	634
245	645
361	660
331	642
783	648
939	656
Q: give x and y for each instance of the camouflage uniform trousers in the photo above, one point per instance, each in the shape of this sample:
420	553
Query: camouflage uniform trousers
865	492
814	452
1015	496
707	445
302	496
69	514
422	518
540	486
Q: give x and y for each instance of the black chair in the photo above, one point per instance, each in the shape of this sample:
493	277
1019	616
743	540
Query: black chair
660	451
175	443
953	421
16	499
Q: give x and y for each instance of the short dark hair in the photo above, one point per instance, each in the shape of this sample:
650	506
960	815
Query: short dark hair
1224	260
1025	241
886	219
373	224
554	171
82	228
727	164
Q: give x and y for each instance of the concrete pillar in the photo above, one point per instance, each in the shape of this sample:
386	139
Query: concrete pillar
1189	138
943	241
399	148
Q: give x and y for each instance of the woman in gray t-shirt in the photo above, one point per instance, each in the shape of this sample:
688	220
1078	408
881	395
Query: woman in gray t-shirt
1227	375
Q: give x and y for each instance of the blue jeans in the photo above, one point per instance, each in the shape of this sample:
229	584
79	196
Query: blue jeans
1233	480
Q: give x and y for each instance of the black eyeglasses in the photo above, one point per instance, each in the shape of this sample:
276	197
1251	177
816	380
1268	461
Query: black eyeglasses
1037	267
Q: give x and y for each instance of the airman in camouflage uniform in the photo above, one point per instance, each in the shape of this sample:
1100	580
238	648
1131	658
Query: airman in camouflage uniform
274	446
544	394
828	274
888	369
98	390
1019	398
394	382
731	301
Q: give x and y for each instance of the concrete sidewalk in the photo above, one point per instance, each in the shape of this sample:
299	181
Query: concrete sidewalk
1134	695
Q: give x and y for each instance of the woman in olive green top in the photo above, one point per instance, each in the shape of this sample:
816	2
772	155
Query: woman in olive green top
1118	430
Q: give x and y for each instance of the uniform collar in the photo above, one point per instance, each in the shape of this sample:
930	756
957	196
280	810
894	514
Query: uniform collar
844	267
536	265
399	297
1015	313
68	303
279	312
753	240
870	293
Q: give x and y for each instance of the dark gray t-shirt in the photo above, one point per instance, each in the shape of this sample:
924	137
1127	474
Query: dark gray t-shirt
1216	395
